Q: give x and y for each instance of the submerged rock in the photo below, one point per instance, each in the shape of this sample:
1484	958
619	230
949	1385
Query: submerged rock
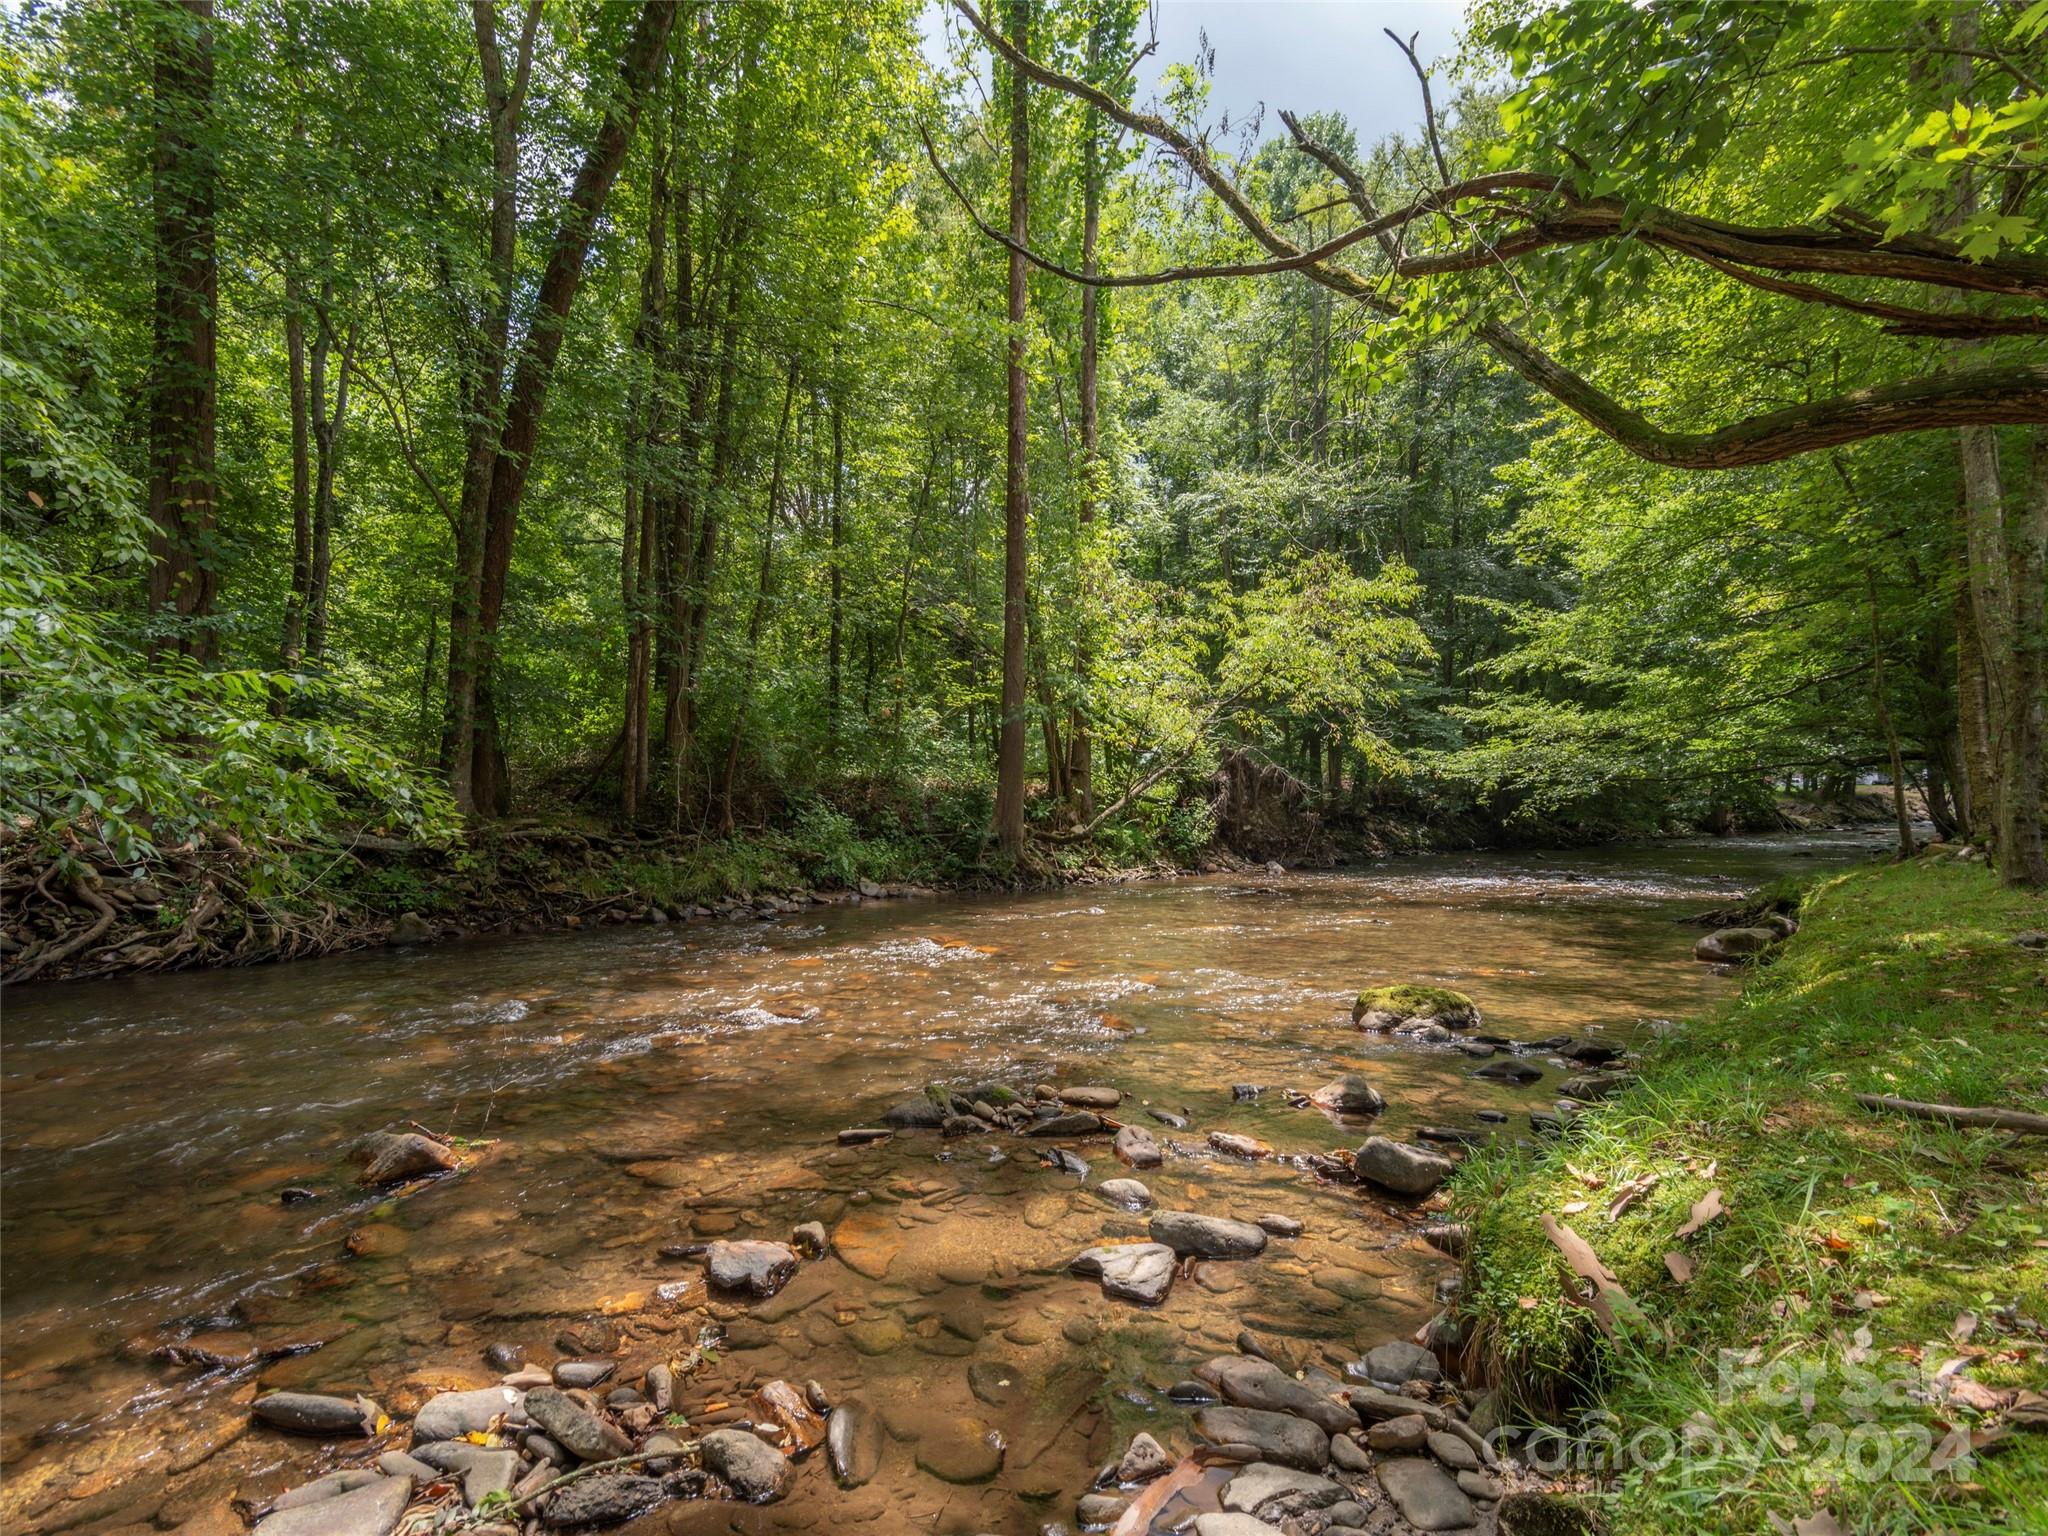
1249	1147
1080	1122
853	1443
583	1373
1401	1168
759	1269
1140	1272
784	1406
1280	1226
1091	1098
1207	1237
1136	1147
1510	1069
1350	1094
391	1158
753	1469
1734	944
920	1113
1128	1193
1396	1007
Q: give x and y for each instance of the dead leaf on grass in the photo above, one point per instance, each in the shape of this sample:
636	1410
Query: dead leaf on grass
1704	1210
1586	1264
1964	1328
1679	1265
1628	1194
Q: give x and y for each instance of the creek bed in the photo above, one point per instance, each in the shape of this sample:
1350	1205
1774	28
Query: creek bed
667	1085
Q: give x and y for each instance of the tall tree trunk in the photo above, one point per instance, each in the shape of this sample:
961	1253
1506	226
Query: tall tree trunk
526	403
183	486
1080	747
1974	793
482	386
2026	860
838	622
328	428
1010	744
293	649
641	502
761	589
1884	725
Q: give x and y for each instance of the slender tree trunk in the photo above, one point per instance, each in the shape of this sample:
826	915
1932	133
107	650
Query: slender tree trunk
1080	747
755	619
526	403
838	621
1010	746
482	391
1884	725
641	500
293	650
328	430
183	487
2026	860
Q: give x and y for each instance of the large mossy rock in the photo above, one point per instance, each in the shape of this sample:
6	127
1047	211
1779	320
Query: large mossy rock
1414	1007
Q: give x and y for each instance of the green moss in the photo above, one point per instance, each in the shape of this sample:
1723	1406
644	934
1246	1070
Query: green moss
1902	980
1410	1002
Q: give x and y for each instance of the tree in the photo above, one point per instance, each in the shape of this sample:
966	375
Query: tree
183	486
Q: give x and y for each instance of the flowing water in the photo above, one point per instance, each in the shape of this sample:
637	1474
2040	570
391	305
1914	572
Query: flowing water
653	1086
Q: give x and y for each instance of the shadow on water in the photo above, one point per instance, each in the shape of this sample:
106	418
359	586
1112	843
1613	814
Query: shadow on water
660	1085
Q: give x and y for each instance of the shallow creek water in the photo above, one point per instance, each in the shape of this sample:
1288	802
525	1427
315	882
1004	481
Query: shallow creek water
660	1085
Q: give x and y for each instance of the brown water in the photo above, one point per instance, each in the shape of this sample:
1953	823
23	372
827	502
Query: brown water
658	1085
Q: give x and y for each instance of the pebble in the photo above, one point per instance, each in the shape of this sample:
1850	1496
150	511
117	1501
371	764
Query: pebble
1264	1489
1397	1362
1091	1097
1128	1193
1143	1460
1350	1094
1100	1508
811	1239
1280	1226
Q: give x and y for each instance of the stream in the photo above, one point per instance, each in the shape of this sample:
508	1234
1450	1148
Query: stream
660	1085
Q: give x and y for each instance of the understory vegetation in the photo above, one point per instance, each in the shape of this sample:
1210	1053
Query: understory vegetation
802	440
1874	1288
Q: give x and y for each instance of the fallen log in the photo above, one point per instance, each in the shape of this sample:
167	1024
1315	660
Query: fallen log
1955	1114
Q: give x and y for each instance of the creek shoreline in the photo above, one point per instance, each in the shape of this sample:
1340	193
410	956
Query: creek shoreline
200	909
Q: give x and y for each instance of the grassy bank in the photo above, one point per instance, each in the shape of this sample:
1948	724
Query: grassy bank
1810	1361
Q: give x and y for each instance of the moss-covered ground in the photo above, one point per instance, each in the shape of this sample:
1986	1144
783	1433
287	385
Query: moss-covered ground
1855	1326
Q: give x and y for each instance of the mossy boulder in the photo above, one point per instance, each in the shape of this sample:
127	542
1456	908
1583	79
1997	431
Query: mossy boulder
1406	1007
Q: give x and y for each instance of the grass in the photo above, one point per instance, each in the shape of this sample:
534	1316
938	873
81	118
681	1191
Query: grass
1798	1368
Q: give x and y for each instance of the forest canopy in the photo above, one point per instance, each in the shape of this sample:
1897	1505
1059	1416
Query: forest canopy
706	419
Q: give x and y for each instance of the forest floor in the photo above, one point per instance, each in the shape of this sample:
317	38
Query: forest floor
1856	1324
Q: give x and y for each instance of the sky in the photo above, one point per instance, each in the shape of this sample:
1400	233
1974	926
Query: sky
1304	55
